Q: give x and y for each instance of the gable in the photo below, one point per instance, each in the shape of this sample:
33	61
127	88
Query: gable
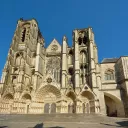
54	46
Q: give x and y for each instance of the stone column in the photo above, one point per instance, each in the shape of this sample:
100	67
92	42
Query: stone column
3	76
37	65
102	103
64	62
99	82
77	67
96	54
92	60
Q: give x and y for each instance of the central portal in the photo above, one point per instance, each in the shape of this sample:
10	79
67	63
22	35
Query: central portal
50	108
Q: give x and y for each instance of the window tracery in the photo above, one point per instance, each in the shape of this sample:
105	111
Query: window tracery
109	75
53	67
82	38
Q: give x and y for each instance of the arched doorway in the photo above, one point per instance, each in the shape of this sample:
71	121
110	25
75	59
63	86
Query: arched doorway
71	108
114	106
46	108
111	109
6	103
27	100
53	108
87	108
88	96
83	107
72	104
49	95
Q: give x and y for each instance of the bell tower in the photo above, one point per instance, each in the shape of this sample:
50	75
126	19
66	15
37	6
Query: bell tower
85	58
21	70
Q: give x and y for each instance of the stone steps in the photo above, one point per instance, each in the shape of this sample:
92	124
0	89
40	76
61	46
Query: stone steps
61	120
55	117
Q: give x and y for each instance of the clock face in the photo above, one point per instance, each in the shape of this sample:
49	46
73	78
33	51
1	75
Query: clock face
49	80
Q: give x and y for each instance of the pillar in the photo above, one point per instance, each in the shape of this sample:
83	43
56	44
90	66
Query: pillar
77	67
102	103
64	62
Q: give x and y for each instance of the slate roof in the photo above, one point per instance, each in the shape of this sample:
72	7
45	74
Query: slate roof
109	60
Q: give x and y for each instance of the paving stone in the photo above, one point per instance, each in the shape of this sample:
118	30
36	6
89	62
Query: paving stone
61	121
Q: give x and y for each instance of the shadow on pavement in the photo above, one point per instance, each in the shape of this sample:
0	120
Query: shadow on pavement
41	126
3	126
123	124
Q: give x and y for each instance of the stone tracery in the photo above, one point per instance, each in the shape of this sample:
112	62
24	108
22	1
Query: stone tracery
53	67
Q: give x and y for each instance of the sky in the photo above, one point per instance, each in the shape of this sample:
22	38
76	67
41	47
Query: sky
56	18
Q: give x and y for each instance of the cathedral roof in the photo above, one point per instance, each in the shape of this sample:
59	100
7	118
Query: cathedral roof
109	60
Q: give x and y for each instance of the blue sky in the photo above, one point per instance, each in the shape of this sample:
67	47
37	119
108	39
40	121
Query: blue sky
108	18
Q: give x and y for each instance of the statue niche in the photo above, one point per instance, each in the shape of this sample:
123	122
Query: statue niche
19	59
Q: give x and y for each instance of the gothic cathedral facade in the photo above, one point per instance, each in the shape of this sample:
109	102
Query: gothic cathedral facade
61	79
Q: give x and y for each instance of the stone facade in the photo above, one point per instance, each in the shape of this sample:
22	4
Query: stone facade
61	79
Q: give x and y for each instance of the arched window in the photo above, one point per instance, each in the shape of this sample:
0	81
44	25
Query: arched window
85	39
109	75
70	57
70	72
14	79
23	35
18	59
83	56
80	40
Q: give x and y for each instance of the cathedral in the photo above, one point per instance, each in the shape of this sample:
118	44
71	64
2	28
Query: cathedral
61	79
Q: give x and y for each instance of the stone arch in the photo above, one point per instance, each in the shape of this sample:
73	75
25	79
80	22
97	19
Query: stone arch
88	94
71	95
71	102
26	96
6	103
8	96
45	90
114	106
90	101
